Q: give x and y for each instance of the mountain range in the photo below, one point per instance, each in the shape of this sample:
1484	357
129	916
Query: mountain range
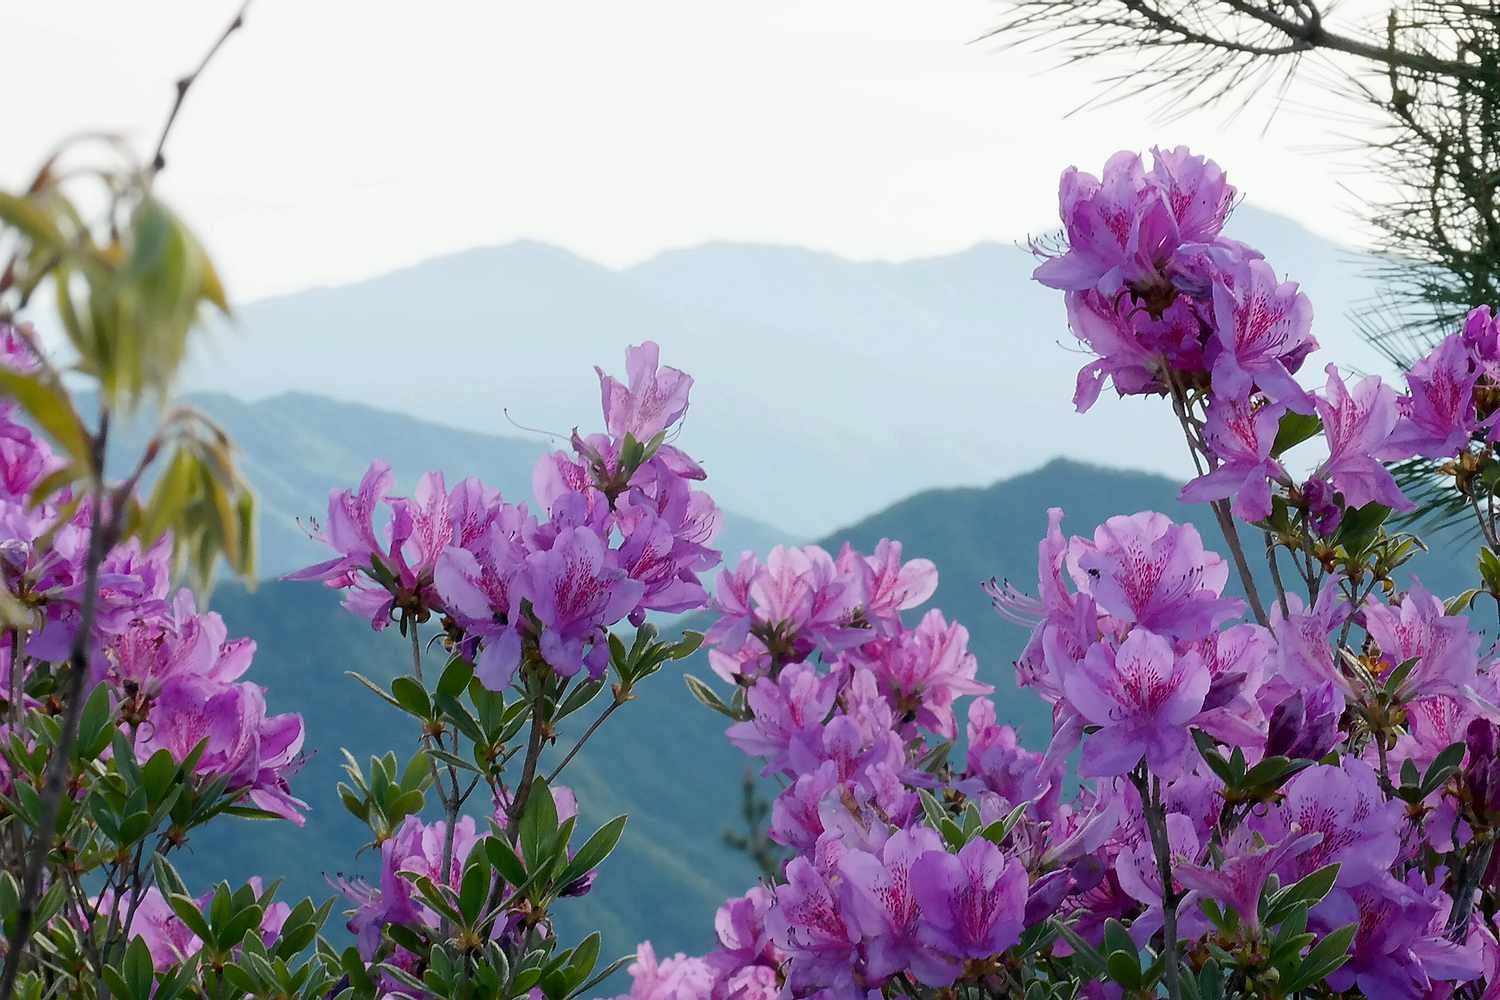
295	447
827	388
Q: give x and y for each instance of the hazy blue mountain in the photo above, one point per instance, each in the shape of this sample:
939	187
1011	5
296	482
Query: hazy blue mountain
295	447
663	758
827	388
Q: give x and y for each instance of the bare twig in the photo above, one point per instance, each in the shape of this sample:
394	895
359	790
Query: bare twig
584	739
185	84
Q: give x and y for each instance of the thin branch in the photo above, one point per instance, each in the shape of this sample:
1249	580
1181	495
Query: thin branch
55	783
583	739
185	84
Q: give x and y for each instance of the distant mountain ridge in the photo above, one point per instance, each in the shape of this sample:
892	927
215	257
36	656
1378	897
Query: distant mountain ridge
294	447
827	388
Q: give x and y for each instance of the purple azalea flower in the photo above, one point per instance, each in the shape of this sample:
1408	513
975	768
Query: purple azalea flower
1143	695
796	815
740	926
996	762
416	847
254	752
1399	950
1324	510
973	902
1304	655
577	592
1357	426
926	669
680	977
1197	192
1241	434
882	894
1446	650
786	712
810	924
1248	862
1481	336
1102	220
479	585
655	399
1359	827
1264	331
1235	659
1134	347
1139	877
1304	726
1146	570
1438	417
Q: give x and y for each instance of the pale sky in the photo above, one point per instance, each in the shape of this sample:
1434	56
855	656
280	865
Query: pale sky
335	139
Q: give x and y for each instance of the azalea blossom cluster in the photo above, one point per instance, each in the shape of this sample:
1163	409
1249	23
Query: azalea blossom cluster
1171	306
621	531
841	697
171	670
1136	646
417	848
1337	751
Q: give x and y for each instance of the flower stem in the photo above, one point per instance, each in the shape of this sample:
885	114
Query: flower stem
1156	824
101	536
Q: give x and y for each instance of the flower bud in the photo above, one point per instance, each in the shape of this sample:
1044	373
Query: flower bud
1324	512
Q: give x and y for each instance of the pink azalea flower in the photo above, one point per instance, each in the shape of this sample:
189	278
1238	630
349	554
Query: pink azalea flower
1146	570
1358	426
1438	417
1304	655
883	901
1446	650
655	399
677	978
1263	328
972	903
1143	696
1241	435
889	586
577	591
1237	883
925	670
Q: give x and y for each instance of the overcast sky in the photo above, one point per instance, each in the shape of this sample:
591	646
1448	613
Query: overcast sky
336	139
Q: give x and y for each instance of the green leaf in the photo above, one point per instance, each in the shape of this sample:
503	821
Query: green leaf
686	646
1323	958
49	405
706	695
538	820
594	850
1442	766
456	677
412	697
1293	430
1124	968
187	911
26	215
505	860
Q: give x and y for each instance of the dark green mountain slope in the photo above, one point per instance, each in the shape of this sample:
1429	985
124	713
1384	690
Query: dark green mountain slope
663	759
